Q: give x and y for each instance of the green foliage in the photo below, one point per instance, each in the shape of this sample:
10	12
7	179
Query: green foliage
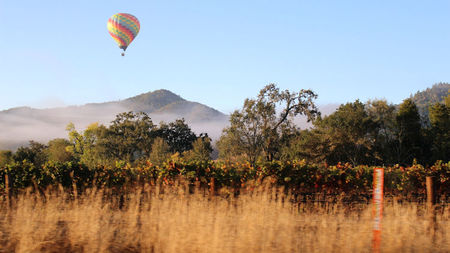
409	132
6	157
128	138
160	151
177	134
440	129
310	145
58	150
21	173
383	116
34	153
84	145
349	133
201	150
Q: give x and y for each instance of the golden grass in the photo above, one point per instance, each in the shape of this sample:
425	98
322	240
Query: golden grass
264	220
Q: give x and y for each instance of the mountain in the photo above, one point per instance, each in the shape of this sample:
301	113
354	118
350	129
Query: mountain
436	94
21	124
160	104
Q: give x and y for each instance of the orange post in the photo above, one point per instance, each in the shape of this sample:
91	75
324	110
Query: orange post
377	211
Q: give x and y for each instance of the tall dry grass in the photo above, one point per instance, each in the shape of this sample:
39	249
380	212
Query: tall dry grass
264	220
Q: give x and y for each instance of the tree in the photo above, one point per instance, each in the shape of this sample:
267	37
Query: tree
128	138
408	132
84	145
177	134
383	116
309	144
58	150
439	115
34	153
348	134
257	131
201	149
160	151
6	157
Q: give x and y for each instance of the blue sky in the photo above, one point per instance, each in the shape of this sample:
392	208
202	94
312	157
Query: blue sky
221	52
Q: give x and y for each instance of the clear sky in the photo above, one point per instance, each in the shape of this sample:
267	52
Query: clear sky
218	53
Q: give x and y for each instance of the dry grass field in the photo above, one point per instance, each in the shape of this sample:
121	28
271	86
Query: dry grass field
265	220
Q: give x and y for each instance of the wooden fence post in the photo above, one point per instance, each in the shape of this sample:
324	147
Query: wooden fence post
431	201
431	194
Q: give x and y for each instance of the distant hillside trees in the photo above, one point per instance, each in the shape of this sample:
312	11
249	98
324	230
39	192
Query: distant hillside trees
424	99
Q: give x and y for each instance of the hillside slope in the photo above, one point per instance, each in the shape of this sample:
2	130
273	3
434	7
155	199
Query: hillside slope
436	94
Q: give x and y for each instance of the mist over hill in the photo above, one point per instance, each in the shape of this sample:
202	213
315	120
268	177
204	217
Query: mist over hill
21	124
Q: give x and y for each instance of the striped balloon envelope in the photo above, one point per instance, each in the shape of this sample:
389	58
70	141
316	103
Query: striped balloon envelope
123	27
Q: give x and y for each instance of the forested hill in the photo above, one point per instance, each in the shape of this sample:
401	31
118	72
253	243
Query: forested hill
164	102
21	124
436	94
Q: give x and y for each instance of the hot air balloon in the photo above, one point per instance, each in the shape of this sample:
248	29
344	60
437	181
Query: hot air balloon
123	27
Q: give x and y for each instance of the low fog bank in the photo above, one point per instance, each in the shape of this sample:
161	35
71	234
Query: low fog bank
20	125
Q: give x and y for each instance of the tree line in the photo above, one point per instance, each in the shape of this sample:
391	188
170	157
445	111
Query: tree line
263	130
372	133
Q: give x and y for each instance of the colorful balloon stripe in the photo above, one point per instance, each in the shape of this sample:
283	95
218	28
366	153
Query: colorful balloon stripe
122	33
123	28
130	25
119	40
